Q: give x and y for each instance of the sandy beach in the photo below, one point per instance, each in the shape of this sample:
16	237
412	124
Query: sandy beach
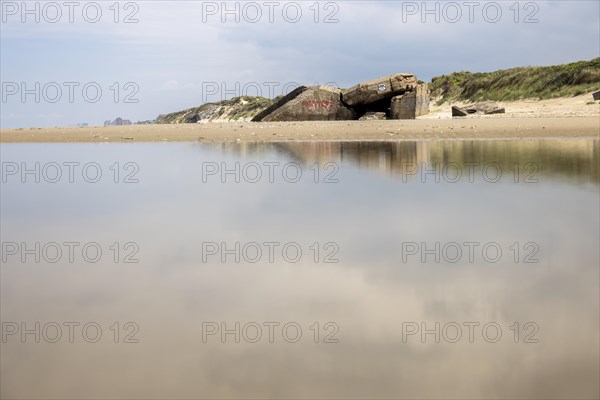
556	118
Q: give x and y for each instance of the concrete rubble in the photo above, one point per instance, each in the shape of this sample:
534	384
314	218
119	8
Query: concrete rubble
486	108
379	89
371	115
411	104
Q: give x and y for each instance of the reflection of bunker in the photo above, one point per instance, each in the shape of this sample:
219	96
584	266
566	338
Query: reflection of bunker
399	96
565	160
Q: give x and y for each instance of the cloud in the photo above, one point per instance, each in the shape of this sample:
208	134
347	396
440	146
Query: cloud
175	47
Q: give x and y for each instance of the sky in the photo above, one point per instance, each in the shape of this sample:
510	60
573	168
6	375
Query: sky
70	62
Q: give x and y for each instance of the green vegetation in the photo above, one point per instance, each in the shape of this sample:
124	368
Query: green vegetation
253	106
232	109
571	161
519	83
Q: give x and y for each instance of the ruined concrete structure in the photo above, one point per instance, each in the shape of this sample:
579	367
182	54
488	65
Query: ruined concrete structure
486	108
315	103
411	104
377	90
398	96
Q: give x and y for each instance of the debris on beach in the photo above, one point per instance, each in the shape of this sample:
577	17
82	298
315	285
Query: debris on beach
485	108
371	115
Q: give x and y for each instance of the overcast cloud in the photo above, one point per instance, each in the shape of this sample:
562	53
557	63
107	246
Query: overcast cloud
180	51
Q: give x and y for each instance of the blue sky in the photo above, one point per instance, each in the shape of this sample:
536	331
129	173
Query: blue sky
178	52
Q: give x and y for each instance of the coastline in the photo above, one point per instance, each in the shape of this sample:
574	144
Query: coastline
483	127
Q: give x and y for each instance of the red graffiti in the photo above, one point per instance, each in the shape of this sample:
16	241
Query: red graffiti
317	105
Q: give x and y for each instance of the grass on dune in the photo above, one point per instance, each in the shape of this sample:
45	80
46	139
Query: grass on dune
565	80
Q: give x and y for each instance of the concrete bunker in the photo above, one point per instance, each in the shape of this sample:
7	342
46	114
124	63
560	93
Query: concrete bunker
399	96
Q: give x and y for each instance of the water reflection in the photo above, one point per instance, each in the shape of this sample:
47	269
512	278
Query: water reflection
370	294
569	160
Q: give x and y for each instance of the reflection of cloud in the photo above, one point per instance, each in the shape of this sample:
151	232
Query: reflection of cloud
368	294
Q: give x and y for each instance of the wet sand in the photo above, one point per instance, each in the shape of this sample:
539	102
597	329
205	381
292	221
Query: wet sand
427	128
